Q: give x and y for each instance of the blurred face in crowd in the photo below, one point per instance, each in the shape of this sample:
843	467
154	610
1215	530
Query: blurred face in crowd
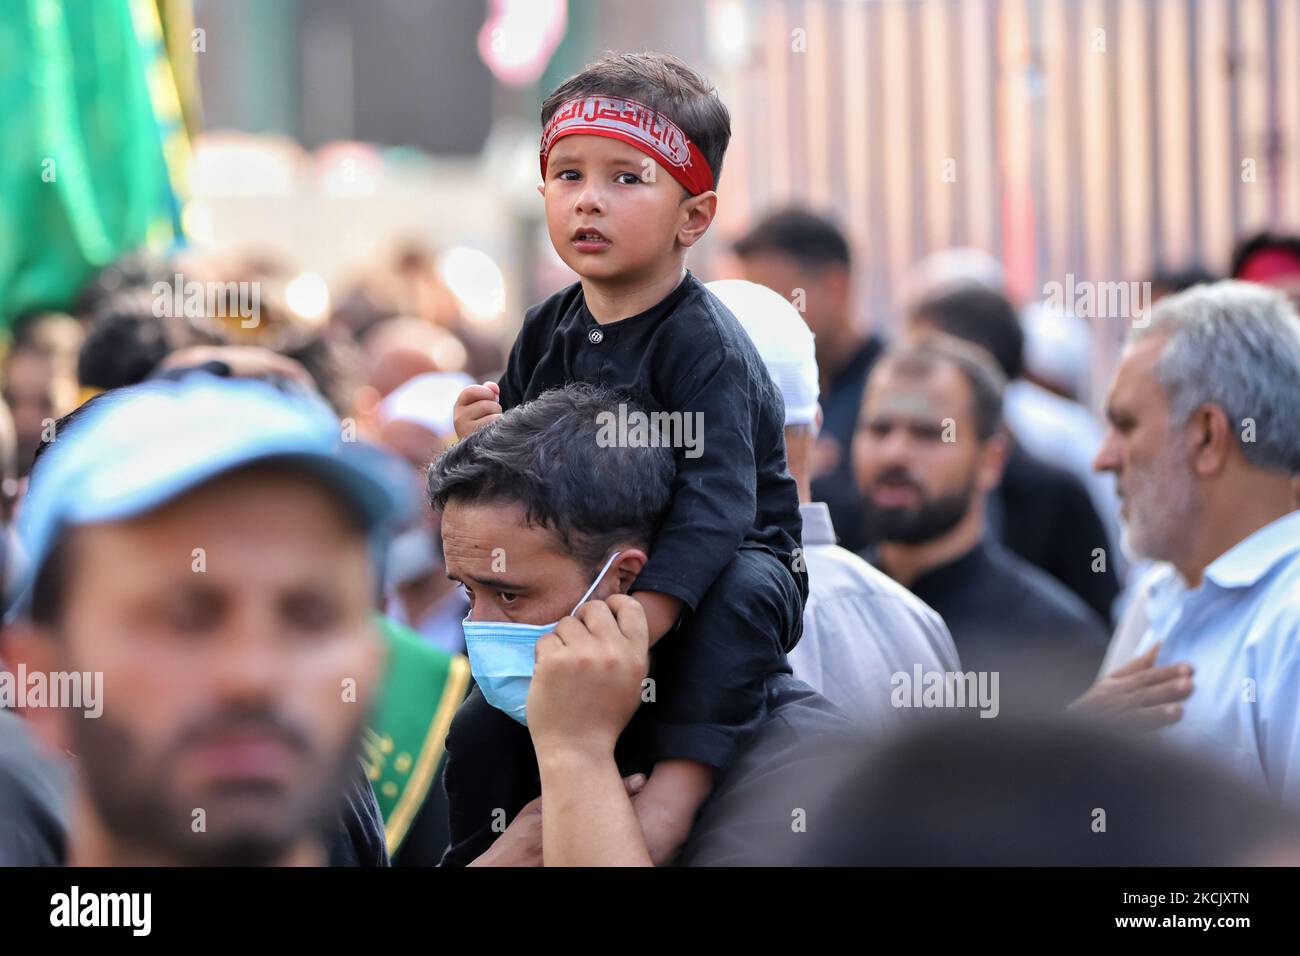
36	393
613	213
515	571
1150	457
825	289
917	456
414	554
238	686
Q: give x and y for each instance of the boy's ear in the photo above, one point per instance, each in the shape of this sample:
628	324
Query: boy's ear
697	216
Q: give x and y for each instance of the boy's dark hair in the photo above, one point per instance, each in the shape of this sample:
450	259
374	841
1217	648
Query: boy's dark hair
546	456
663	83
811	240
982	316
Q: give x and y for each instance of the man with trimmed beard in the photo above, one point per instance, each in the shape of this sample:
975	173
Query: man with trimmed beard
929	449
209	547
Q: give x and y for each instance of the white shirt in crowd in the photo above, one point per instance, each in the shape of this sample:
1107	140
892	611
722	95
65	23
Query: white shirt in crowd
860	628
1240	631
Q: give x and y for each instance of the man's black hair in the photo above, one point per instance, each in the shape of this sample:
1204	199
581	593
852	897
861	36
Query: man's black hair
124	344
545	456
1172	281
983	316
811	240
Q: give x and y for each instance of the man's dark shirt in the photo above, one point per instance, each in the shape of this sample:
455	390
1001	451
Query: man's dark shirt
358	837
738	824
840	407
686	354
1008	616
758	814
32	788
1045	515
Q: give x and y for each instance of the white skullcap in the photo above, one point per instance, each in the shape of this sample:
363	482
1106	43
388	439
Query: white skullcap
427	400
783	340
1058	346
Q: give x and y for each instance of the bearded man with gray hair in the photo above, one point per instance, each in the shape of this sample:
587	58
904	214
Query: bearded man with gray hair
1204	441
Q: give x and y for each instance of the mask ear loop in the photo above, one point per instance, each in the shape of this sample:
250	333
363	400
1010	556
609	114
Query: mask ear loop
596	583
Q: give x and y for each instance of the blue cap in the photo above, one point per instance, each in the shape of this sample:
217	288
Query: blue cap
134	449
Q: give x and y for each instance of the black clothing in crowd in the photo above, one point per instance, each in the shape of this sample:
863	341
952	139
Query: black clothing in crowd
1008	616
840	407
727	548
1044	514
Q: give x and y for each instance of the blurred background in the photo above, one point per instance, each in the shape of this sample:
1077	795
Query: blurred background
375	159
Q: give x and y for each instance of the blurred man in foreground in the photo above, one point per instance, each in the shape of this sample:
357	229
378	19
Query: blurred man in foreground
208	547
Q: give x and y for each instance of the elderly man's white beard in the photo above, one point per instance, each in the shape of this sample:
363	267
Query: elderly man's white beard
1162	510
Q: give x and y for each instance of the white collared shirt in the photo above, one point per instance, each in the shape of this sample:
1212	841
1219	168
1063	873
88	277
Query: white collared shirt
1240	631
860	627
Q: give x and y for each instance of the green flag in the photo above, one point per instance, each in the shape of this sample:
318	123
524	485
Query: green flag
93	144
403	747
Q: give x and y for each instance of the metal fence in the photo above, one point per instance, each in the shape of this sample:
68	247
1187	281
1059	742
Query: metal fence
1099	138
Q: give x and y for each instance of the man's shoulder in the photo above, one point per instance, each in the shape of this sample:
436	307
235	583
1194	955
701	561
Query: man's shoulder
33	789
844	572
1039	595
1277	608
782	766
1029	475
843	583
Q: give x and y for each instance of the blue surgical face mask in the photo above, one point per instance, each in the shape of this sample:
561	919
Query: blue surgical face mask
501	655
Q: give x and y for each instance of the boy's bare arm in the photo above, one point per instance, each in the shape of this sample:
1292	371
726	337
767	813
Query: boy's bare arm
667	805
661	612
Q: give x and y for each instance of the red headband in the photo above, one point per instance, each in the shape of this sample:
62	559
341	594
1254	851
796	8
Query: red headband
637	125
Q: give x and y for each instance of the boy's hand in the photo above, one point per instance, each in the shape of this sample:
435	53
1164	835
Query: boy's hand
476	406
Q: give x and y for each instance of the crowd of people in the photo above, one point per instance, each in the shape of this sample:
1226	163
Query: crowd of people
694	573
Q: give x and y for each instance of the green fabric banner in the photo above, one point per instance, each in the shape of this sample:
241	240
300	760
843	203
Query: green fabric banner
89	119
403	746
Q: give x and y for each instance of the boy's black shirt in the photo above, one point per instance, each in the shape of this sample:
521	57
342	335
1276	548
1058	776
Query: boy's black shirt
687	353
